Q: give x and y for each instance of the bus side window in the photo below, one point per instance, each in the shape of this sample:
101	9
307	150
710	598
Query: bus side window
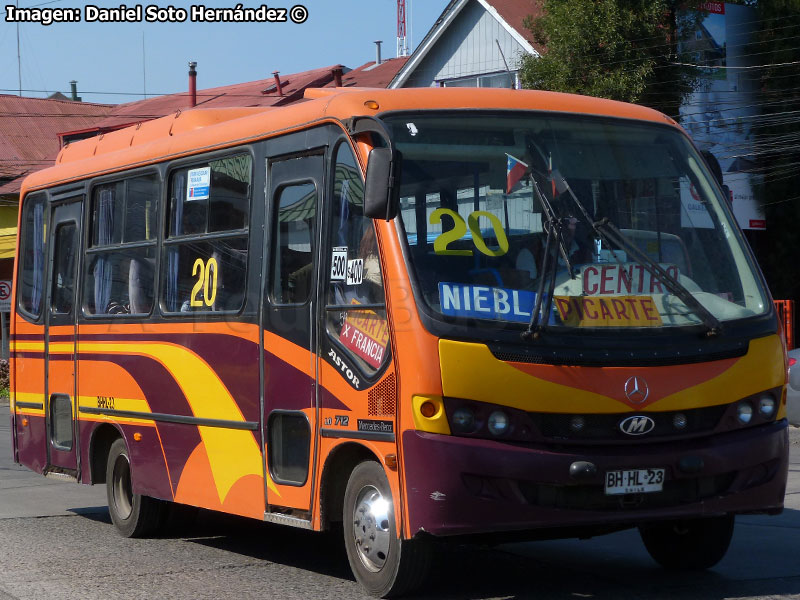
66	248
119	277
293	270
31	269
354	271
205	248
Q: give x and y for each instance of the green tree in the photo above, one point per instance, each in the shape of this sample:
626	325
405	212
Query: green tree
619	49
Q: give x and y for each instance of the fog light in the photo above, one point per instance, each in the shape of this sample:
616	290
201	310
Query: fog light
577	423
464	419
744	412
766	406
679	421
498	423
427	409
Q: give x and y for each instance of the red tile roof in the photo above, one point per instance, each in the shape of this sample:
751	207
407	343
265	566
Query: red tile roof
253	93
370	75
29	129
514	13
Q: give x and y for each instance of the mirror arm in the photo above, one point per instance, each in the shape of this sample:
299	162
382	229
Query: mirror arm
382	186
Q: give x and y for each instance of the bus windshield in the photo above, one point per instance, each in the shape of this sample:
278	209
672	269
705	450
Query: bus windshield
568	222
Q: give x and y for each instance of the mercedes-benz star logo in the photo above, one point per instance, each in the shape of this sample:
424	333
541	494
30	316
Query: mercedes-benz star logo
636	389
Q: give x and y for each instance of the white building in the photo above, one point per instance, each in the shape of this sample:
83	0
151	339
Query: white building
474	43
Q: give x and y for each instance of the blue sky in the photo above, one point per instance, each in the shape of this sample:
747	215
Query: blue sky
106	58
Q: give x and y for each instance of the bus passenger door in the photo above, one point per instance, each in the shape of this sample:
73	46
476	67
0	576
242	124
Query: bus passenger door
60	358
290	305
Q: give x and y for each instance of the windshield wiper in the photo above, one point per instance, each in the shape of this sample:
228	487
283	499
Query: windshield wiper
549	264
612	236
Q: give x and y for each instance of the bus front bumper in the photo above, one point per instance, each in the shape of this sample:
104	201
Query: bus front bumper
457	485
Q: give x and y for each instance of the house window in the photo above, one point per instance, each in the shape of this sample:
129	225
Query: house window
504	79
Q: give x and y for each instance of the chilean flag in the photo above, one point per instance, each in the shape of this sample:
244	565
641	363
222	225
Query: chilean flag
515	170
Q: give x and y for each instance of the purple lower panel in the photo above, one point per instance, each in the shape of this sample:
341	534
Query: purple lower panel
464	486
32	442
148	469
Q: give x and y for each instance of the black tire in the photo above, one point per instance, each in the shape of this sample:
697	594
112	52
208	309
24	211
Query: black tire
688	545
133	515
385	566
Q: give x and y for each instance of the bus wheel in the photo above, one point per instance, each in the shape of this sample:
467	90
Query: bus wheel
383	563
132	514
692	544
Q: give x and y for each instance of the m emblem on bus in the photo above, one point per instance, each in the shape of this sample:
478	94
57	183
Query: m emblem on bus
637	425
636	389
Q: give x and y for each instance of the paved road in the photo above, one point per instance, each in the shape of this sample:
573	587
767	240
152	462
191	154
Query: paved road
56	541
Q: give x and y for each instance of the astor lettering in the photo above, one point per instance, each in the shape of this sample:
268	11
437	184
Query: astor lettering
337	362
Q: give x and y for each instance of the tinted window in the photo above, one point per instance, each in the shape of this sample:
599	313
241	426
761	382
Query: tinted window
32	253
292	273
120	263
354	276
64	263
207	199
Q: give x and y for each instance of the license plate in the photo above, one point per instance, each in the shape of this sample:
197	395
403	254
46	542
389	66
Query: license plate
634	481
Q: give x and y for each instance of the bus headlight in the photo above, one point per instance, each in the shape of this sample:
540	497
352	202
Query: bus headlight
488	421
463	420
498	423
744	412
766	406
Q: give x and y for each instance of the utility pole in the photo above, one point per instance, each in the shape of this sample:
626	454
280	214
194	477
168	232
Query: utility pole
19	60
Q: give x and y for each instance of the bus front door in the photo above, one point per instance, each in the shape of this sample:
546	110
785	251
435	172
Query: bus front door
60	331
290	330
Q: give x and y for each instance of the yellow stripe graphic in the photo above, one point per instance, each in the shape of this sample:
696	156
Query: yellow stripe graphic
233	454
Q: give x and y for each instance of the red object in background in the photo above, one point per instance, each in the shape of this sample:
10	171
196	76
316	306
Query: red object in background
718	8
785	310
515	170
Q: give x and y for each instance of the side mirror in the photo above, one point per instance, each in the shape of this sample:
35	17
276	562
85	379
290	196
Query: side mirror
379	187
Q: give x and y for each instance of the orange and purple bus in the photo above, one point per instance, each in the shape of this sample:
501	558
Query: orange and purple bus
418	315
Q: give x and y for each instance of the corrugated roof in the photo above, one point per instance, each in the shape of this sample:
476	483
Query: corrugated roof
372	75
262	92
29	129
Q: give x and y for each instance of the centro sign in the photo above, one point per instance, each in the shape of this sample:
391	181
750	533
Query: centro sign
637	425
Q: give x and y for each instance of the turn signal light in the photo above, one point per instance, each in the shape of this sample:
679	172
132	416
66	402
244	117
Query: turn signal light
137	437
371	104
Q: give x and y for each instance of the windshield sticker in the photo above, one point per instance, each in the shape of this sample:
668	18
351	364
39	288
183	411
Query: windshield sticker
198	184
597	311
486	302
355	271
339	263
623	279
366	334
476	234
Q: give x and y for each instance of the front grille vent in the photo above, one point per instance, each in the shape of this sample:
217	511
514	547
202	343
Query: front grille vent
605	427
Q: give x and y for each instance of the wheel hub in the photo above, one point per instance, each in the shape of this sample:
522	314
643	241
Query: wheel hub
371	528
123	494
